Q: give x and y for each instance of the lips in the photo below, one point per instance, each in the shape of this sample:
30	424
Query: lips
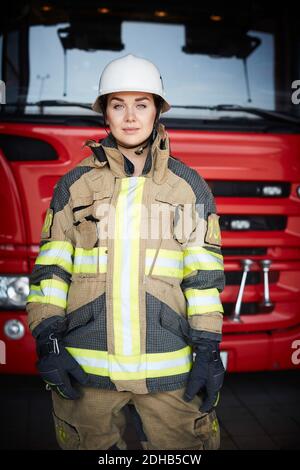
130	129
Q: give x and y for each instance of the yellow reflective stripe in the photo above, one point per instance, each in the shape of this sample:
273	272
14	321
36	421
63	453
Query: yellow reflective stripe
197	309
167	263
200	249
133	367
213	291
117	276
126	321
85	268
135	227
85	261
56	253
88	261
50	291
62	245
198	258
172	254
203	301
169	272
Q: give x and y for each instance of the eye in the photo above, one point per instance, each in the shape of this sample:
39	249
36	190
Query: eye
143	105
116	106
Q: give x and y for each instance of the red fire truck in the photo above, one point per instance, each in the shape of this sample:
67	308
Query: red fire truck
231	72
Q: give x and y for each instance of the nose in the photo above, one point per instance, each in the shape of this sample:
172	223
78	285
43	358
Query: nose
130	114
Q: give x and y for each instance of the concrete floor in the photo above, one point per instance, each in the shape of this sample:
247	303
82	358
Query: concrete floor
256	411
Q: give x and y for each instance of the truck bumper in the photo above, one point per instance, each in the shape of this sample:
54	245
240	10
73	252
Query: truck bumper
278	349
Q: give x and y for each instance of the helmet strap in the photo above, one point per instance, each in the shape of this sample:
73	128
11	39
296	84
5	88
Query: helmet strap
139	148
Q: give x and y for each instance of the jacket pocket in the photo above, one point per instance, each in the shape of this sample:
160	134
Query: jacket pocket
162	215
67	436
207	429
181	216
91	217
85	223
83	290
87	234
183	223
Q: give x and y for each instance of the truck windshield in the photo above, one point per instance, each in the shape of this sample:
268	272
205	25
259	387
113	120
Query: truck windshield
206	56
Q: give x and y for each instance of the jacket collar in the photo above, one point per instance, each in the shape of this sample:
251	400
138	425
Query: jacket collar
156	164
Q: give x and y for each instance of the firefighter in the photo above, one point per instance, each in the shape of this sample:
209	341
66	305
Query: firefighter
124	302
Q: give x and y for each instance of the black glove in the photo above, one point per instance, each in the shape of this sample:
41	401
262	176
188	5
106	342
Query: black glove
207	373
55	363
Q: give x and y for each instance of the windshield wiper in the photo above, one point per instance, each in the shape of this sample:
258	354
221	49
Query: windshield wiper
264	113
60	103
63	103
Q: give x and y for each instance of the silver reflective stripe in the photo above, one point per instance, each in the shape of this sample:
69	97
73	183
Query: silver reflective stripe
164	262
56	253
54	292
84	259
103	259
126	268
202	258
34	291
91	361
137	367
203	300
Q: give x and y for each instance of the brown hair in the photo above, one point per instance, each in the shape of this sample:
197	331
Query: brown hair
158	101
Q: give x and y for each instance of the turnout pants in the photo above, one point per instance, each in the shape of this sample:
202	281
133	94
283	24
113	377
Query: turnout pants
163	421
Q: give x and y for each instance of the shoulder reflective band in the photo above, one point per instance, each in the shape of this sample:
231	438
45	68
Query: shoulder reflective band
56	253
197	258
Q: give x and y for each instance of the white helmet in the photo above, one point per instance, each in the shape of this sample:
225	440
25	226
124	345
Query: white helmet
130	73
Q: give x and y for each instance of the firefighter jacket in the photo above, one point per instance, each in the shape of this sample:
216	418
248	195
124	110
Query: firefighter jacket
133	262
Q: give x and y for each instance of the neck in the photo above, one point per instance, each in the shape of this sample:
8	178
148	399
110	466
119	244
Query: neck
132	156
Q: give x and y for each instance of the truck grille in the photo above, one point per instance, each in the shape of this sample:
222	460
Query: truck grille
252	222
265	189
245	251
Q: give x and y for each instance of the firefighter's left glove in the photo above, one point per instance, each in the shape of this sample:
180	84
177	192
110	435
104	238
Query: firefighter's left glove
56	365
206	375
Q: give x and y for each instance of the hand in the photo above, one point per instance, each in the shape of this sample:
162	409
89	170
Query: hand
55	364
207	373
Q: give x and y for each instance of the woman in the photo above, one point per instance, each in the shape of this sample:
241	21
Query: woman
127	282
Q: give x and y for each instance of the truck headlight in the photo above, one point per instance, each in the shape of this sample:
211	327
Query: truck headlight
240	224
13	291
272	190
14	329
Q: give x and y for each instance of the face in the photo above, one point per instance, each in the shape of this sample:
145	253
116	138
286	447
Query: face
130	116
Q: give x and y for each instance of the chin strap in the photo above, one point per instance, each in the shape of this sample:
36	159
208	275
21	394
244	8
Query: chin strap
139	148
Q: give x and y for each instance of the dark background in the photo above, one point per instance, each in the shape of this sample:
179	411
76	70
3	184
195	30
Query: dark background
256	411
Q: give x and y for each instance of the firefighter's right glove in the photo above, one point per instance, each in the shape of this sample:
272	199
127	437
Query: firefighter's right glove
207	374
56	365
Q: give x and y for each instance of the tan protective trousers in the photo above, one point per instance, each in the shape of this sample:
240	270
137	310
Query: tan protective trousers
97	421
